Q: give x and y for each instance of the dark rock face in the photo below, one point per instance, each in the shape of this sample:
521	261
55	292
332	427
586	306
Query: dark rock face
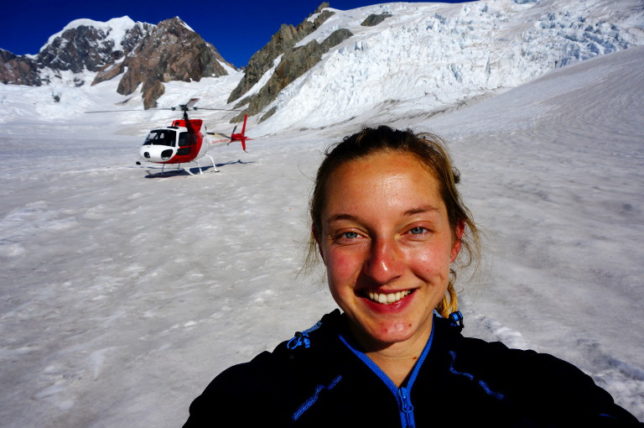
374	19
88	47
134	35
295	61
293	64
170	52
281	42
18	70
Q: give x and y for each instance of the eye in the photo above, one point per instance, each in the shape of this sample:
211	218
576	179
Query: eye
349	235
418	230
346	237
418	233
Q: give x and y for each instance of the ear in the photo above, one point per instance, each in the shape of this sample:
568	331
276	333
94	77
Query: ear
458	240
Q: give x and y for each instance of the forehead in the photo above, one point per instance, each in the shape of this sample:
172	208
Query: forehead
383	163
386	175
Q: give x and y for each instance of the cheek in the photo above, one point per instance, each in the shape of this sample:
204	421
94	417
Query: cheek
431	261
341	267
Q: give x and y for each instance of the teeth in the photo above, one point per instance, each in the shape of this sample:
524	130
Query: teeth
387	298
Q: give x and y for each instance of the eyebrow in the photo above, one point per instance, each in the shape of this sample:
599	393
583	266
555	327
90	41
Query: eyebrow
409	212
421	210
337	217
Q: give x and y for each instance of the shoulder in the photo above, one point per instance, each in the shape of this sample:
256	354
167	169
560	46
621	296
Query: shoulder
538	385
271	385
496	360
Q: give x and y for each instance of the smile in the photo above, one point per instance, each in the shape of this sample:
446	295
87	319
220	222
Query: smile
388	298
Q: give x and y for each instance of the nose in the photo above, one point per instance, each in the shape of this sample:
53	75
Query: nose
385	261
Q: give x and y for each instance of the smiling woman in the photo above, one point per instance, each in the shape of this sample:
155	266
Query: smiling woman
388	250
390	226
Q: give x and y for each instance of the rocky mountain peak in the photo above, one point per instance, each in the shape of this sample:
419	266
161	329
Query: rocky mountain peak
143	53
90	45
171	51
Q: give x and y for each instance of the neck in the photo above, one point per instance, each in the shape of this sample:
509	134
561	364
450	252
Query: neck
397	360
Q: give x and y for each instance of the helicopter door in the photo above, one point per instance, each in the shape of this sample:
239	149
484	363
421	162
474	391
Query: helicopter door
186	141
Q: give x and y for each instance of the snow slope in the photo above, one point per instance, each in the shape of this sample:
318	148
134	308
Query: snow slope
435	55
122	296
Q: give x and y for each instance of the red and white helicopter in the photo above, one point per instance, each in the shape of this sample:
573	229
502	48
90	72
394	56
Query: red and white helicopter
186	141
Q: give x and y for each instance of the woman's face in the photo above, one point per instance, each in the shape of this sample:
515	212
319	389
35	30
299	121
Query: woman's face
387	246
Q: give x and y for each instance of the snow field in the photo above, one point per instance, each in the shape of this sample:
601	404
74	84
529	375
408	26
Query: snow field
123	295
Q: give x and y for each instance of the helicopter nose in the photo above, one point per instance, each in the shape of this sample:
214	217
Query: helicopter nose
156	153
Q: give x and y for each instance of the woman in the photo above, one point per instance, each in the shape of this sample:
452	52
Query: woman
388	223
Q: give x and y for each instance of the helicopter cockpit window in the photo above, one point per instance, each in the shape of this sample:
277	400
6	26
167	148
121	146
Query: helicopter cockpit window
185	139
161	137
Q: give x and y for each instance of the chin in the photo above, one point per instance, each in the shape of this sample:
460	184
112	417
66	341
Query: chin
390	333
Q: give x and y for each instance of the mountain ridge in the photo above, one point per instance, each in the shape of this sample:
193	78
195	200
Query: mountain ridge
338	65
143	54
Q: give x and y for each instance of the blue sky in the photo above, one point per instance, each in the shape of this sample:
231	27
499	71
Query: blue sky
237	29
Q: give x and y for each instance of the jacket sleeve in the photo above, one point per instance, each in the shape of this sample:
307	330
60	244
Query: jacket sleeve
217	404
239	396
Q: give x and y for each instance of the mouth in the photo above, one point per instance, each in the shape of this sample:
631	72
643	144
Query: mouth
387	298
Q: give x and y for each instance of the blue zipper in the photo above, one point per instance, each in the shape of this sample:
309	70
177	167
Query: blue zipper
406	408
402	394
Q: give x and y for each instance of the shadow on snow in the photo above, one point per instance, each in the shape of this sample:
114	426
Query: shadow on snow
184	171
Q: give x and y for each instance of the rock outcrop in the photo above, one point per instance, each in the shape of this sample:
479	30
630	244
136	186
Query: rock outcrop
373	19
294	63
283	41
18	70
171	51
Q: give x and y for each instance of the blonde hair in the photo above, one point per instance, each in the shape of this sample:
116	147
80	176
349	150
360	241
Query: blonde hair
430	150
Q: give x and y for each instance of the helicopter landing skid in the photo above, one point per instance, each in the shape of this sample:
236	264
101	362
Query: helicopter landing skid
214	167
179	168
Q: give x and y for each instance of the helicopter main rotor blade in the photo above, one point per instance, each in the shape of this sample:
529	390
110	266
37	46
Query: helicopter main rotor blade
215	109
191	102
113	111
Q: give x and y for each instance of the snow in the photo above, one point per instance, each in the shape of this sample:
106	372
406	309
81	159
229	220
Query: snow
123	296
570	145
183	23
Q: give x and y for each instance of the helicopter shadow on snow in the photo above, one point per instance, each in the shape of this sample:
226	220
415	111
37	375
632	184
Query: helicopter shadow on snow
182	172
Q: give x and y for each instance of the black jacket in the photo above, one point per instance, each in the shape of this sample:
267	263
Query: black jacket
319	378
